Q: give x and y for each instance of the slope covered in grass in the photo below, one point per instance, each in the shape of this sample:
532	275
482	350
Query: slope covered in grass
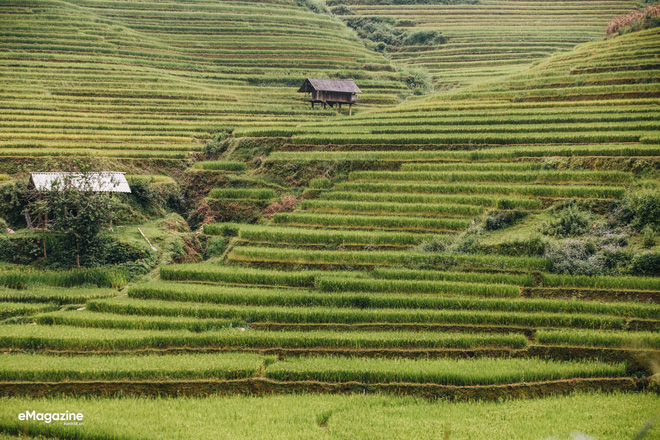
153	79
491	38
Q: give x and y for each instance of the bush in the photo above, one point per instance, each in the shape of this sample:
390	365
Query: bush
376	29
215	247
342	10
7	248
424	37
502	219
573	257
579	257
419	81
647	264
640	208
570	222
152	198
316	6
218	145
434	245
13	200
648	237
3	226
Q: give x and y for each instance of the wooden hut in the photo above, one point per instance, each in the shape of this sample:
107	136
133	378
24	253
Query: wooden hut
331	92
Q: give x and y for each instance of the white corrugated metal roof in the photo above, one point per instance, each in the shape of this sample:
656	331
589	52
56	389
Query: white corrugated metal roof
104	181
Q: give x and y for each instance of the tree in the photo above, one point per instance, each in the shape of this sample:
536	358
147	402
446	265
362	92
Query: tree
73	207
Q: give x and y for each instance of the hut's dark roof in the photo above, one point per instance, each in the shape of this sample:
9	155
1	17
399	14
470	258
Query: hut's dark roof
330	85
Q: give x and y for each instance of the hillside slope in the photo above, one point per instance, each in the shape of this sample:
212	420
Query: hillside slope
600	93
492	38
415	263
153	79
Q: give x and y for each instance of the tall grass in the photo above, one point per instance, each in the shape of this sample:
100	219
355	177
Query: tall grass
31	337
38	367
441	261
368	300
99	277
218	165
455	314
9	309
337	284
462	372
303	236
236	275
613	339
372	221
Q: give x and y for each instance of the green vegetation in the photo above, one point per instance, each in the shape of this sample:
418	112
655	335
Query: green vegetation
34	367
446	372
494	239
217	165
601	339
30	337
356	416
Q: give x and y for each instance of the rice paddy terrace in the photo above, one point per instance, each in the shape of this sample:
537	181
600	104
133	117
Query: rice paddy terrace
156	79
379	277
489	39
343	294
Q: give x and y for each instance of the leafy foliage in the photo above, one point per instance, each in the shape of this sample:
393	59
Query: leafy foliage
503	219
641	208
76	209
570	222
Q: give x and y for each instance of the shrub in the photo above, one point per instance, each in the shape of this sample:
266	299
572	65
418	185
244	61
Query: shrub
215	247
376	29
436	244
342	10
575	257
648	237
503	219
579	257
3	226
316	6
13	200
570	222
640	208
647	264
419	81
218	144
424	37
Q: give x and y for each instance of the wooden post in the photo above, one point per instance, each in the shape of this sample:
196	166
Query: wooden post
339	108
350	109
77	254
312	105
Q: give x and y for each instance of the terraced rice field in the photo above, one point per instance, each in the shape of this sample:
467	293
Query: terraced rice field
351	289
493	38
149	80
